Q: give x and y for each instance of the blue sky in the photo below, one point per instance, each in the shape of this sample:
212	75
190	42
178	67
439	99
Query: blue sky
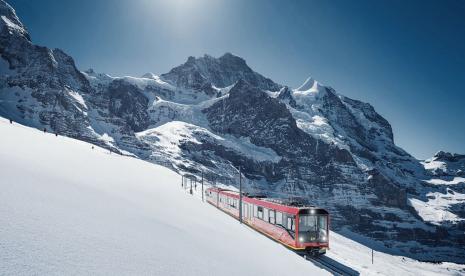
406	58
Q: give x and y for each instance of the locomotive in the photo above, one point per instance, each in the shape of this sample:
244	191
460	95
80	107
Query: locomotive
303	229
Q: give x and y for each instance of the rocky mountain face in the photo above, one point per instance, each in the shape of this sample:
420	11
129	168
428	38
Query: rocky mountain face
446	180
274	127
205	73
446	164
213	115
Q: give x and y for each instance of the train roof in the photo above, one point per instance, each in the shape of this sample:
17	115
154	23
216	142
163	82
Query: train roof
288	206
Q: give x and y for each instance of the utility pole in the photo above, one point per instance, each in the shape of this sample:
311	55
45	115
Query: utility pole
372	256
373	237
202	186
191	187
182	181
240	195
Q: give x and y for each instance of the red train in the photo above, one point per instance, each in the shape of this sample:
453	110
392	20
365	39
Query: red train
304	229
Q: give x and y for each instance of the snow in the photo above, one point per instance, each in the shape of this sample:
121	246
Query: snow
310	85
308	113
68	209
246	148
13	96
435	209
107	138
438	181
77	97
358	257
168	137
432	164
149	75
97	79
310	119
11	24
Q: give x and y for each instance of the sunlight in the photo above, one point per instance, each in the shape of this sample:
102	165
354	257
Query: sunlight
183	16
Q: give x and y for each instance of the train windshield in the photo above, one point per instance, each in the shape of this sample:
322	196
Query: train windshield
313	228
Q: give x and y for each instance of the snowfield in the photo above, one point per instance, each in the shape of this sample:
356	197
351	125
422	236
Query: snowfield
66	208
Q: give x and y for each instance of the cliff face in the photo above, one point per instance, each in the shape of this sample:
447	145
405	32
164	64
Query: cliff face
216	114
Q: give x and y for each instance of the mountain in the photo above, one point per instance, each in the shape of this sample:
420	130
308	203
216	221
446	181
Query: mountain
210	116
446	164
205	73
446	176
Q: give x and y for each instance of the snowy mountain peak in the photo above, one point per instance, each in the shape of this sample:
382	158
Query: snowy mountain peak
149	75
10	23
309	85
204	72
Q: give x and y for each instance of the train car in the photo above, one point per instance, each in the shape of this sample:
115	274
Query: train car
304	229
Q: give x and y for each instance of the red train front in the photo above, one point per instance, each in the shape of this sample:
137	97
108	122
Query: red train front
304	229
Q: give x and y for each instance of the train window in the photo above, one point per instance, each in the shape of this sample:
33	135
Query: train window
265	214
290	223
271	217
255	211
260	212
323	222
323	227
279	218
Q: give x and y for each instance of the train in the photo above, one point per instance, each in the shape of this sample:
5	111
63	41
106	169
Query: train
303	229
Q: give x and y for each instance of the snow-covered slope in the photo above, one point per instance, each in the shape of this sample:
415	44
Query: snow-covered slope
69	209
357	256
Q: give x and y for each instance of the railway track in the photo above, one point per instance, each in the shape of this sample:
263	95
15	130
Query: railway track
322	261
332	266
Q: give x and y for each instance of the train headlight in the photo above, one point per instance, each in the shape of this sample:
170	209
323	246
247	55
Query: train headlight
323	238
301	239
